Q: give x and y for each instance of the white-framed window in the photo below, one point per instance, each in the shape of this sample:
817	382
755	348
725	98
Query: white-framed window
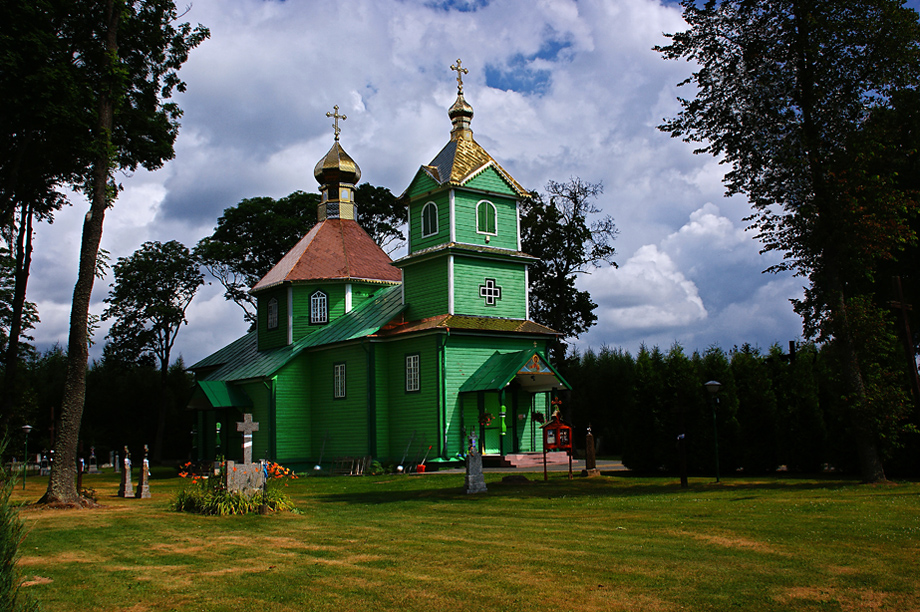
319	308
412	373
338	381
486	217
272	318
429	219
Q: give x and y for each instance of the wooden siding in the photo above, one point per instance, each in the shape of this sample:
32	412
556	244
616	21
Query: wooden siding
506	227
490	180
275	338
469	276
345	419
426	288
411	412
293	413
335	294
416	241
422	183
465	354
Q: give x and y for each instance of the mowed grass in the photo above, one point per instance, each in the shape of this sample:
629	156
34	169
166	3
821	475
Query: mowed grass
418	543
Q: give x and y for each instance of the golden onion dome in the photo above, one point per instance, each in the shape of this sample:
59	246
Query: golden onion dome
337	167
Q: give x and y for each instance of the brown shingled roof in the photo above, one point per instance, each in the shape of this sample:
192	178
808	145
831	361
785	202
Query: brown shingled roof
468	323
335	249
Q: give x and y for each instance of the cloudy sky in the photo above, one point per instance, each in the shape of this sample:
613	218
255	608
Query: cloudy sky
560	89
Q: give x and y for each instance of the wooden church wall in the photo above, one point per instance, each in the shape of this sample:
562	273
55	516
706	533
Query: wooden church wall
442	200
294	439
425	287
470	276
344	418
412	412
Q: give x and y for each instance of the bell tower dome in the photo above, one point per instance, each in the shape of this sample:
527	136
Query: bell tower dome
337	174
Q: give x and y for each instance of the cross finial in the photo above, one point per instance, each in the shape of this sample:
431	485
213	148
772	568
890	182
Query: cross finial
460	72
336	117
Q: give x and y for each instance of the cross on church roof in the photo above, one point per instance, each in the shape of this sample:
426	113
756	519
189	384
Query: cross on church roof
336	117
460	72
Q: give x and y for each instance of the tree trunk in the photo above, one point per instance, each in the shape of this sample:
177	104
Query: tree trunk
23	263
62	486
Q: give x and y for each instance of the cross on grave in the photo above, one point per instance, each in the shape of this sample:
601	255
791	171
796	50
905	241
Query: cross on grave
336	116
460	72
247	427
490	291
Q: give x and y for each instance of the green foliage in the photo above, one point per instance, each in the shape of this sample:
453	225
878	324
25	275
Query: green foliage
208	494
250	238
559	229
381	215
797	99
12	599
202	499
153	288
253	236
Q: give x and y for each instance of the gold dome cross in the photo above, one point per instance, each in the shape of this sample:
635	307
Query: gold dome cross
336	116
460	72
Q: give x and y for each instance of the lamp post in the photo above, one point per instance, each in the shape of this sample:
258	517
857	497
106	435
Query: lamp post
25	454
713	387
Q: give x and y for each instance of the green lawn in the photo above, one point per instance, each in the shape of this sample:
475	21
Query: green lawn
418	543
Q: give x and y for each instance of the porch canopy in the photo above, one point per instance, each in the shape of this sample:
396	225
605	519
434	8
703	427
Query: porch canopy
529	369
211	394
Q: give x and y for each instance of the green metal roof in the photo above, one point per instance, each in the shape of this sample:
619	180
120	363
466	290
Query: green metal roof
530	368
241	360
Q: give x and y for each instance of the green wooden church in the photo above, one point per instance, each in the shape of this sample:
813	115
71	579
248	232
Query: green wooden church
358	355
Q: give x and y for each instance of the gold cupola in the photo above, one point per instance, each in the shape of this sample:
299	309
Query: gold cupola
461	113
337	174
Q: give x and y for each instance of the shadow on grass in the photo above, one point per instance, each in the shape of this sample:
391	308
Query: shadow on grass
613	484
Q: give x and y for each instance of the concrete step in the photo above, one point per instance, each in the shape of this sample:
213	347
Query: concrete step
524	460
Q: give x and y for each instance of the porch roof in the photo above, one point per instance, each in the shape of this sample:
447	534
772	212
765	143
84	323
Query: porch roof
529	368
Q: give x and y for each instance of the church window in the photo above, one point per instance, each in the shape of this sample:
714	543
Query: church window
485	217
412	373
490	291
429	220
338	381
319	308
273	314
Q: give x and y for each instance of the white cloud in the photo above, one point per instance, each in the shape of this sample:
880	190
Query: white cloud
255	124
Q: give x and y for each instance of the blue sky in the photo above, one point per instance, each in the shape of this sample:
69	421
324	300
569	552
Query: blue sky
560	89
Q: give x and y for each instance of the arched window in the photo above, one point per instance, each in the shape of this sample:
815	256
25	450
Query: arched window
272	314
485	217
319	308
429	220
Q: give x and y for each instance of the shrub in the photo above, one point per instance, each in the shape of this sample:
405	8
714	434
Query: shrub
11	534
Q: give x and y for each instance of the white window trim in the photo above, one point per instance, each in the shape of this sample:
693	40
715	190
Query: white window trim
272	315
437	221
314	319
413	373
338	381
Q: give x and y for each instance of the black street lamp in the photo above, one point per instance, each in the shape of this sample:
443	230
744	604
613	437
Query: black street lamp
25	454
713	387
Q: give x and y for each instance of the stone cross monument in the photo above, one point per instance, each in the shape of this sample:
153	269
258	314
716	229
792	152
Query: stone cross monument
247	427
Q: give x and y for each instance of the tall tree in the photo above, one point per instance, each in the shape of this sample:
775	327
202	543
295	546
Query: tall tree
254	235
44	140
558	228
782	88
128	53
381	214
152	290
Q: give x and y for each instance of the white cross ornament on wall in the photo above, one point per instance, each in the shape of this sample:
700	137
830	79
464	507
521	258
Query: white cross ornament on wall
490	291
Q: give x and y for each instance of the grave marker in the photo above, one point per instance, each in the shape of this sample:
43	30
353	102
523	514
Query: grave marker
143	485
126	489
247	427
